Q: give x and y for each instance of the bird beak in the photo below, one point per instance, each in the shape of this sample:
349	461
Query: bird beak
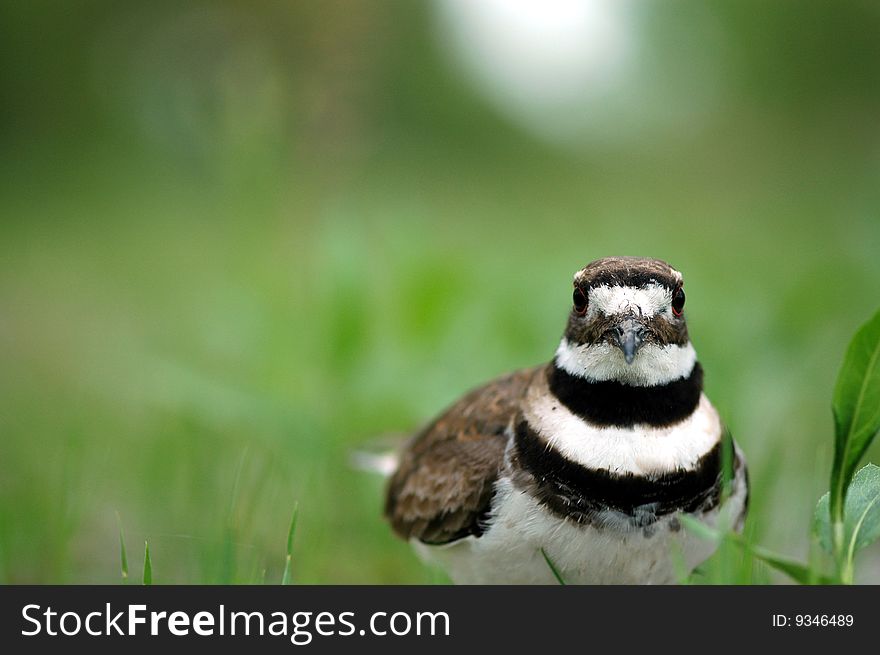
629	335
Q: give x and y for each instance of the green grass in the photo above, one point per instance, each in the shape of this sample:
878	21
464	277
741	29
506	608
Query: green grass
196	333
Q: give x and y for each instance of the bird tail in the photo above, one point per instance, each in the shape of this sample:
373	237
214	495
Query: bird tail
380	456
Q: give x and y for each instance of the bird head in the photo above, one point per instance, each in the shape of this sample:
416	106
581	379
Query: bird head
627	323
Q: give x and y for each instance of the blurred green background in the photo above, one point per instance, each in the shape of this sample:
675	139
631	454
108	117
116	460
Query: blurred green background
240	239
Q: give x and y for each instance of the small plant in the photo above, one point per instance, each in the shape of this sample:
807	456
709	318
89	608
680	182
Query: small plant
847	518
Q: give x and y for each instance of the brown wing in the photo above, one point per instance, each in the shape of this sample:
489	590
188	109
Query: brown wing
444	482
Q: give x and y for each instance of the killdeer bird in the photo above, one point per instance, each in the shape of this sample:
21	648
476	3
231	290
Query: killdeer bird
585	461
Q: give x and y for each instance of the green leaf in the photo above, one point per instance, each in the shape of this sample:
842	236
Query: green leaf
795	570
553	569
822	523
861	512
148	565
285	577
856	406
863	509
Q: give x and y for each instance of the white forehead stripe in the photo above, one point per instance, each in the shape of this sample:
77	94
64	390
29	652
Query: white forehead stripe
646	301
653	364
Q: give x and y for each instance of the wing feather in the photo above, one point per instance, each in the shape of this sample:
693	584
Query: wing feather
442	489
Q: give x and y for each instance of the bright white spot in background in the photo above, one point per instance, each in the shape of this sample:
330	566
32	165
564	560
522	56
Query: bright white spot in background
581	72
542	62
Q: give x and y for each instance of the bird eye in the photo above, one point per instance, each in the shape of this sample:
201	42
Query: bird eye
580	301
678	301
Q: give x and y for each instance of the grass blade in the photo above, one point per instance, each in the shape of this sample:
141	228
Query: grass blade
229	559
795	570
123	558
285	578
553	569
148	565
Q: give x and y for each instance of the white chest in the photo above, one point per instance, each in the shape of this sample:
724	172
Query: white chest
510	552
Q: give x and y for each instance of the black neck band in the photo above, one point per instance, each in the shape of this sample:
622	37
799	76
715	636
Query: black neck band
586	495
622	405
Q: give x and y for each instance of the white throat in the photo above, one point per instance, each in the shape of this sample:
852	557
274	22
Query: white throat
653	365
